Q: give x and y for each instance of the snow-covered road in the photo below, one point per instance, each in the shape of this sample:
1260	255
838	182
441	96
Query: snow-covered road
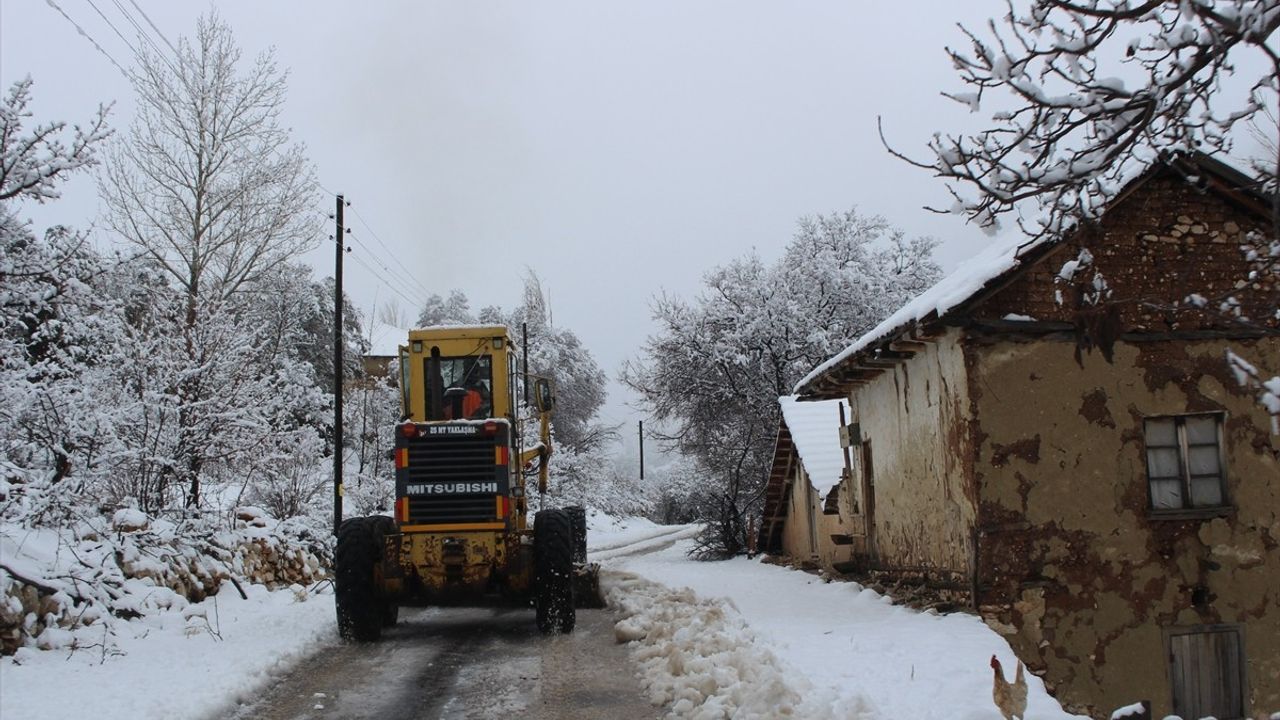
464	664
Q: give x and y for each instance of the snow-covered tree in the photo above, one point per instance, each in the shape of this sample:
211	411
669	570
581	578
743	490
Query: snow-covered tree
1087	93
208	188
53	326
314	306
455	310
206	182
33	161
1084	95
713	372
371	410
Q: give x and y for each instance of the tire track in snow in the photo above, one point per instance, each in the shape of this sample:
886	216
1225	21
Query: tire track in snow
644	546
658	532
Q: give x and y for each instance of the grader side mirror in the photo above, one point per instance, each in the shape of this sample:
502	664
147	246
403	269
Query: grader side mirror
543	396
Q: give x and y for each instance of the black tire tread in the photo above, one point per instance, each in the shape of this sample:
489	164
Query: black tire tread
553	571
383	526
355	597
578	520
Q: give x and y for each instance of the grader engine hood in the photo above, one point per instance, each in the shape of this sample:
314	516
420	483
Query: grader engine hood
453	474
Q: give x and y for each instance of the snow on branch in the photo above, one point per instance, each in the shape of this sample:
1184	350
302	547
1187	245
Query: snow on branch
1266	389
1088	93
31	161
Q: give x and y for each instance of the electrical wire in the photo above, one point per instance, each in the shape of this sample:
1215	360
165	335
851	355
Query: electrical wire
111	25
87	36
390	252
146	37
392	272
356	259
146	17
387	275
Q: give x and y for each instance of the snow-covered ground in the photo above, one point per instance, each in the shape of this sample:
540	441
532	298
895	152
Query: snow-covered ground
168	666
742	638
723	639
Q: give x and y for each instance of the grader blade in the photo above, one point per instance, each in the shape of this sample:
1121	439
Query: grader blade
586	586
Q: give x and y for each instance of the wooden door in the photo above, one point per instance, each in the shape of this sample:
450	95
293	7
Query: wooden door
1206	672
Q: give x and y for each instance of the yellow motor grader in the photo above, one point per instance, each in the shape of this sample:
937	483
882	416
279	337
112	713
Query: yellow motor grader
460	533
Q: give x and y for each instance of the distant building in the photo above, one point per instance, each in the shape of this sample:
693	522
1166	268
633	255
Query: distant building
1053	437
801	519
384	343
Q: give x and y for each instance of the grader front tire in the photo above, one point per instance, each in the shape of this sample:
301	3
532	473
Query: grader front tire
553	571
381	527
360	611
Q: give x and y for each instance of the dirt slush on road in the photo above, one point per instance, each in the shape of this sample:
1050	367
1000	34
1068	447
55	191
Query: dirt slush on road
465	664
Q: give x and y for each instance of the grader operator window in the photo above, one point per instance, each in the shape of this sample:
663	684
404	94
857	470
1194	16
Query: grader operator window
464	385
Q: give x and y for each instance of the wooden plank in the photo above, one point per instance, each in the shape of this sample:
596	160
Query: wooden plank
907	346
1178	673
1230	661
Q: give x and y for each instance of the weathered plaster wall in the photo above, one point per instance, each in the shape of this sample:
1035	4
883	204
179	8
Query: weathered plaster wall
795	533
796	542
915	417
1069	554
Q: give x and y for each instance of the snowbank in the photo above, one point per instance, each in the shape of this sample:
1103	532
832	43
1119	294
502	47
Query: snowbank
71	587
839	650
701	660
200	660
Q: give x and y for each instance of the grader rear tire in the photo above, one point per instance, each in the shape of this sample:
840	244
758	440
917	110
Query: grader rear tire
578	520
553	571
382	526
360	611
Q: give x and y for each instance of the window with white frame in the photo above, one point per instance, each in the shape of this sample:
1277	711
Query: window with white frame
1184	462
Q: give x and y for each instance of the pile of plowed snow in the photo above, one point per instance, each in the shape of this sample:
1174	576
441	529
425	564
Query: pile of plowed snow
700	659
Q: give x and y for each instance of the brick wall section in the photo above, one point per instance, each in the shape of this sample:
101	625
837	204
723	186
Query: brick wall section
1166	240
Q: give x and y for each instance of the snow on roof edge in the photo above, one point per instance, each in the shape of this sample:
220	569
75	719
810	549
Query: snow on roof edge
815	433
969	279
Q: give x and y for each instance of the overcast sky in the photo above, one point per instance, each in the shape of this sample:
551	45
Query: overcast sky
620	150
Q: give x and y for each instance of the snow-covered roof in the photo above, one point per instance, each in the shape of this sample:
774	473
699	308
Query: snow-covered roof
966	281
1006	255
384	339
815	431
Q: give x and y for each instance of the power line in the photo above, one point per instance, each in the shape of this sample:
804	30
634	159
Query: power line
392	272
356	259
146	37
87	36
390	252
111	25
153	27
389	276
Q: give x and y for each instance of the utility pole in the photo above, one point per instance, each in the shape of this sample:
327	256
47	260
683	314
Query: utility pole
339	243
641	449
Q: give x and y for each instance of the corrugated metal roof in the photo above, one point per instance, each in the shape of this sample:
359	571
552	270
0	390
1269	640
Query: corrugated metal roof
815	430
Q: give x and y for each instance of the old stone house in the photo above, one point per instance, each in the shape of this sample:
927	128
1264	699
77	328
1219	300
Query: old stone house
1053	436
808	464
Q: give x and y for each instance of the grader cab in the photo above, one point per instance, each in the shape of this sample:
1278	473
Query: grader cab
466	452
